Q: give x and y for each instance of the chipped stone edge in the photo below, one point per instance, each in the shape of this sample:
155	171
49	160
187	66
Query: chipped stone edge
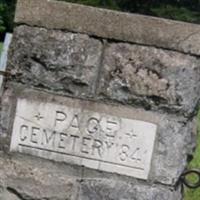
104	23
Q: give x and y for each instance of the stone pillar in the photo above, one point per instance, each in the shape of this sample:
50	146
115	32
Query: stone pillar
99	104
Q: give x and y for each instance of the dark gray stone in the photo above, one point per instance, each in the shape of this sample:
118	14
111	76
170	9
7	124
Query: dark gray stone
150	77
31	190
62	62
6	116
28	178
175	142
111	190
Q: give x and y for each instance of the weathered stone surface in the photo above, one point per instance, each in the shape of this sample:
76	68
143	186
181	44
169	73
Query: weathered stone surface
31	189
70	64
6	195
104	23
174	137
110	190
174	143
5	118
91	137
25	178
70	53
55	60
150	77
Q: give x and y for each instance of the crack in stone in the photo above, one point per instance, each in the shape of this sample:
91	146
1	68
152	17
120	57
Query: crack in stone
186	38
16	193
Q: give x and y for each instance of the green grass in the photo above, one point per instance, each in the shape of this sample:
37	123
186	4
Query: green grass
194	194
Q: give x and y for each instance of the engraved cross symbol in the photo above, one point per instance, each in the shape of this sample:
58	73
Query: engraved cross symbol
39	116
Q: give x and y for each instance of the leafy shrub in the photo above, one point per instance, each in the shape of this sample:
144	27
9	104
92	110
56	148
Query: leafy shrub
2	26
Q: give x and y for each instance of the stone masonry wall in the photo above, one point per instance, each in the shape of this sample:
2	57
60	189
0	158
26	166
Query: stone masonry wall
129	63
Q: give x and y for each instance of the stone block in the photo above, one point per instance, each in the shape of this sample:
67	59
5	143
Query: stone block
123	125
111	190
110	24
75	134
151	78
25	177
173	136
58	61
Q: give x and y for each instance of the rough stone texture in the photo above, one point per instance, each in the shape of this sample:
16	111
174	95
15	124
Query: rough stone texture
175	142
150	77
78	52
174	137
55	60
110	190
139	29
5	119
70	64
7	195
25	178
33	179
93	137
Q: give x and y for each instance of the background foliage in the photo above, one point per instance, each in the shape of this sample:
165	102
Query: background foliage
7	8
184	10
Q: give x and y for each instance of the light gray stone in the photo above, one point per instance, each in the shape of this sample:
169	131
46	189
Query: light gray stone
28	178
150	77
6	195
175	145
174	136
104	23
93	138
58	61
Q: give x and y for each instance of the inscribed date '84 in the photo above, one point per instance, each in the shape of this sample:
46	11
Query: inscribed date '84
84	137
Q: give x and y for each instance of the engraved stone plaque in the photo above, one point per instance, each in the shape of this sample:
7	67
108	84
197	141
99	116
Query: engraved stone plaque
84	135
